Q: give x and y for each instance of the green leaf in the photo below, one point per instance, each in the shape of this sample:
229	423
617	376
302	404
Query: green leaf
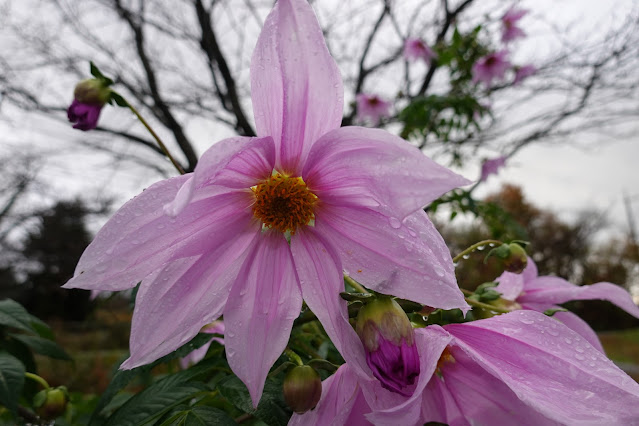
158	399
118	99
272	409
489	296
11	380
123	377
12	314
553	311
42	346
95	72
200	415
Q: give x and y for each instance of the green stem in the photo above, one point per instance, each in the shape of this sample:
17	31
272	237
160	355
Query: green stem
295	358
156	137
357	286
474	247
487	306
38	379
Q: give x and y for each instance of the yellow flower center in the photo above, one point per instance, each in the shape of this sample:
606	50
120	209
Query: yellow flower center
284	203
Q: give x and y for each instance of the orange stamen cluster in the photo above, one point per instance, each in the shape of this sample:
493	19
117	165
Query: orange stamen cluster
445	358
283	203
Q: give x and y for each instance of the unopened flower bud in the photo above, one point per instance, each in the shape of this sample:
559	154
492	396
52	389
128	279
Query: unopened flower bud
51	403
389	341
517	259
302	388
89	98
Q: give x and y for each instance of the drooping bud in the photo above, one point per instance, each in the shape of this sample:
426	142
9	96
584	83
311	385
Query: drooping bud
89	98
389	341
517	260
302	388
512	255
51	403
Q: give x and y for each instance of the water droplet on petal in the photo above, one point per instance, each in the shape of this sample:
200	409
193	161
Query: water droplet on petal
394	222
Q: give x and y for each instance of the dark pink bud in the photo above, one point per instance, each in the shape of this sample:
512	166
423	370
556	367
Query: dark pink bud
388	339
302	388
89	98
85	116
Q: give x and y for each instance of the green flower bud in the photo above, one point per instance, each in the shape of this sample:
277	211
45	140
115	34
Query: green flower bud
302	388
517	259
51	403
92	91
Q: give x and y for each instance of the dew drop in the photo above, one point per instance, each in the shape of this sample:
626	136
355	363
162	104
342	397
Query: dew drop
466	256
526	321
394	222
580	357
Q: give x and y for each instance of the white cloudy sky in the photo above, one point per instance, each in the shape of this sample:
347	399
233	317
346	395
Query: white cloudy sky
564	178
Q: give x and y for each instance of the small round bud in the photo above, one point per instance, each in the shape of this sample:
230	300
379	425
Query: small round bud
517	259
302	388
92	91
51	403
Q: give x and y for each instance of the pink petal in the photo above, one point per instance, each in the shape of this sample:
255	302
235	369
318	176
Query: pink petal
342	402
394	409
356	166
474	396
195	356
571	321
296	86
510	285
550	368
320	274
259	314
175	302
118	258
408	260
555	290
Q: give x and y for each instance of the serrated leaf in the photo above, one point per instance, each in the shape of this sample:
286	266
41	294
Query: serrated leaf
158	399
12	314
11	380
123	377
272	409
200	415
42	346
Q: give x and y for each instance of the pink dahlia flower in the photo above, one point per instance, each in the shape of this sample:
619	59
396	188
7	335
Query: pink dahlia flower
522	73
216	327
415	49
372	107
490	67
530	291
491	167
510	30
263	222
517	368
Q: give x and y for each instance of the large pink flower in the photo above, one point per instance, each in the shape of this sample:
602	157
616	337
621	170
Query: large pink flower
264	222
530	291
517	368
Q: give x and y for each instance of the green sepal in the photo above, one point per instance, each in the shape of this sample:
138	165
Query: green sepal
95	72
353	297
553	311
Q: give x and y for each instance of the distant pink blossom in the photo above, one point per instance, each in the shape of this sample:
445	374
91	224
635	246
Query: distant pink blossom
510	30
415	49
490	67
530	291
516	368
264	222
523	72
216	327
372	107
491	167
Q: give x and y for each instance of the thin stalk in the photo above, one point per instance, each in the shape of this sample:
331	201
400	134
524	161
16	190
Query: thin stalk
357	286
474	247
295	358
156	137
38	379
487	306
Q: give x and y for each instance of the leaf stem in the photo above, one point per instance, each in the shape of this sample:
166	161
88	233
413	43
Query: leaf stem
487	306
474	247
357	286
156	137
38	379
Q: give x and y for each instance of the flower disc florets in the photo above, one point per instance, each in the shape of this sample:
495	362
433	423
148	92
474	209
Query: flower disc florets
284	203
